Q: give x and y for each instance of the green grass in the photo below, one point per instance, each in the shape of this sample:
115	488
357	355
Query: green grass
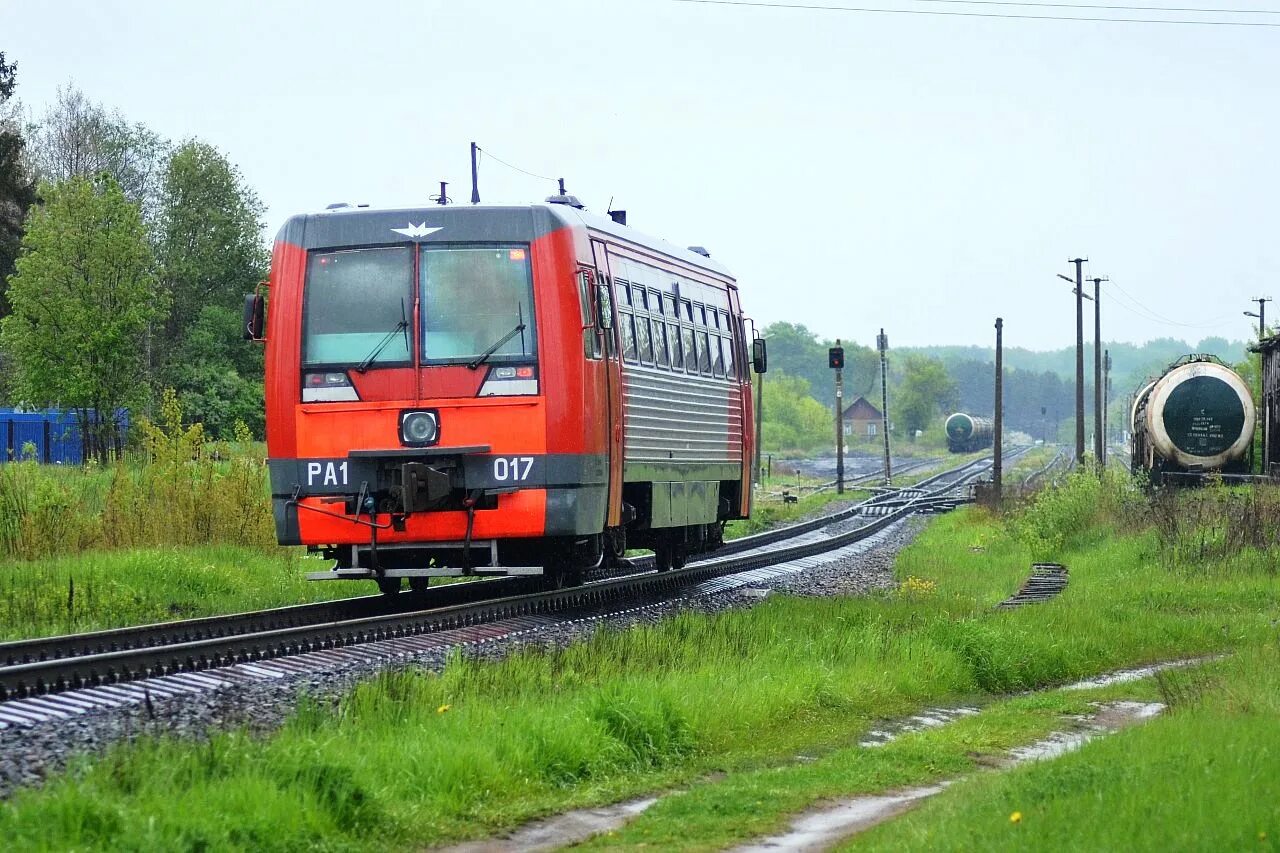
414	759
1201	778
112	589
754	803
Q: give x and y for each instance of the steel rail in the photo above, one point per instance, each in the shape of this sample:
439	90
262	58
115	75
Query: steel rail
339	610
35	677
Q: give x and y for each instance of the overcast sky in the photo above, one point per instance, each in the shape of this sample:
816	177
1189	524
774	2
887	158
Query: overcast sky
855	170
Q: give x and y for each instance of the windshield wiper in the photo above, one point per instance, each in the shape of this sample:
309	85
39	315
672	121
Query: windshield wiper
483	357
402	326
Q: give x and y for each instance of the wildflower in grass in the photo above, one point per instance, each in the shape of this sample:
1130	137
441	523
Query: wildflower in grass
914	587
1016	817
443	708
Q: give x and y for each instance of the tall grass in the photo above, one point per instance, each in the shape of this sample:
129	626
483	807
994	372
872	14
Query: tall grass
177	490
112	589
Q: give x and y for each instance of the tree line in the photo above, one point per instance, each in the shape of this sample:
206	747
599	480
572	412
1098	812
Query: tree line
124	257
927	383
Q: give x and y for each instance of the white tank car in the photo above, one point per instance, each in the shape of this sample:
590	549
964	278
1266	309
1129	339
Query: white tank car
1197	417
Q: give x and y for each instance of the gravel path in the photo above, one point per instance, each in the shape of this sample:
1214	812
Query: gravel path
27	754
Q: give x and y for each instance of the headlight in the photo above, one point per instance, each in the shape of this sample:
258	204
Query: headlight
419	428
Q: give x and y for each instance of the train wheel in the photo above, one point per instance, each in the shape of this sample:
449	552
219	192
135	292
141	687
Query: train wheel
679	556
561	578
389	586
615	545
419	584
664	557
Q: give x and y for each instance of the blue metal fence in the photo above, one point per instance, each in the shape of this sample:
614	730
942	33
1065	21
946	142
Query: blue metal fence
50	436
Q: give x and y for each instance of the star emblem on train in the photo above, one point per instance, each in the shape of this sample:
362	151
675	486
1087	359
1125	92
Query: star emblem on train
412	230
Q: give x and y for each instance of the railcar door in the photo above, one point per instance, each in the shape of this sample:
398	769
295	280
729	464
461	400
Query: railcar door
613	388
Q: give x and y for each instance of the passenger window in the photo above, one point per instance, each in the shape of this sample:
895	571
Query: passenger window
688	311
701	315
606	308
643	342
704	354
717	350
641	299
660	343
590	335
624	293
628	336
728	359
677	356
669	306
655	302
690	350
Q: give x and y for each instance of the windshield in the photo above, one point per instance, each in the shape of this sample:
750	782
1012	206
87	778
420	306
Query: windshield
471	299
354	299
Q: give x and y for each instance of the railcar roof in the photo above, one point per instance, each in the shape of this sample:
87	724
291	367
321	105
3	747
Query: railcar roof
360	226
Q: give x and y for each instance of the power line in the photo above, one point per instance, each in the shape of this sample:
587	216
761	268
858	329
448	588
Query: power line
510	166
1105	7
937	12
1142	311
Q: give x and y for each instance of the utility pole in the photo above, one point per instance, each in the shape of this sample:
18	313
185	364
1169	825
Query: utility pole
1079	282
882	344
997	462
835	360
1262	333
475	182
1261	315
1099	450
1106	401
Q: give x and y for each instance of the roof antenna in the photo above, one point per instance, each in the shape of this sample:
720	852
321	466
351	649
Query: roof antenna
564	198
443	198
475	181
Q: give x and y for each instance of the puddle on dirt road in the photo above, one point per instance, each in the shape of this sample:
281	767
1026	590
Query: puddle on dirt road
1123	676
822	828
559	831
925	720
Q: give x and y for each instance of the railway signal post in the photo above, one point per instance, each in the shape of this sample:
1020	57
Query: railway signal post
835	360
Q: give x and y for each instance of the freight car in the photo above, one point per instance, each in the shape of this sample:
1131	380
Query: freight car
500	390
967	433
1197	417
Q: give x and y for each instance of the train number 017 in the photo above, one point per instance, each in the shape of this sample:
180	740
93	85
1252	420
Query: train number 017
515	468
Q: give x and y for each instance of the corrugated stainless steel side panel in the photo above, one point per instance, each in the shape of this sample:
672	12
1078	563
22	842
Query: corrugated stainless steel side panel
676	417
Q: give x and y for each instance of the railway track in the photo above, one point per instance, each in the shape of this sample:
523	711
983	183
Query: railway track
35	668
1037	476
865	479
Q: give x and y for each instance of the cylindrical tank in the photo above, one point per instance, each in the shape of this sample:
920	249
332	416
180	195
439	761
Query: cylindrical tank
1198	416
968	432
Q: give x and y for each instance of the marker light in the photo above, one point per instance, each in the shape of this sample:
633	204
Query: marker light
516	254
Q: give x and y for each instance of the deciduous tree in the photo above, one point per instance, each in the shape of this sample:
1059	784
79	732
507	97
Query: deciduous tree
83	295
210	248
925	391
79	138
17	189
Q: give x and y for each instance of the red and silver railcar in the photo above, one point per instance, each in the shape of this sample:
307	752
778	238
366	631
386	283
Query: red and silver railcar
458	390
